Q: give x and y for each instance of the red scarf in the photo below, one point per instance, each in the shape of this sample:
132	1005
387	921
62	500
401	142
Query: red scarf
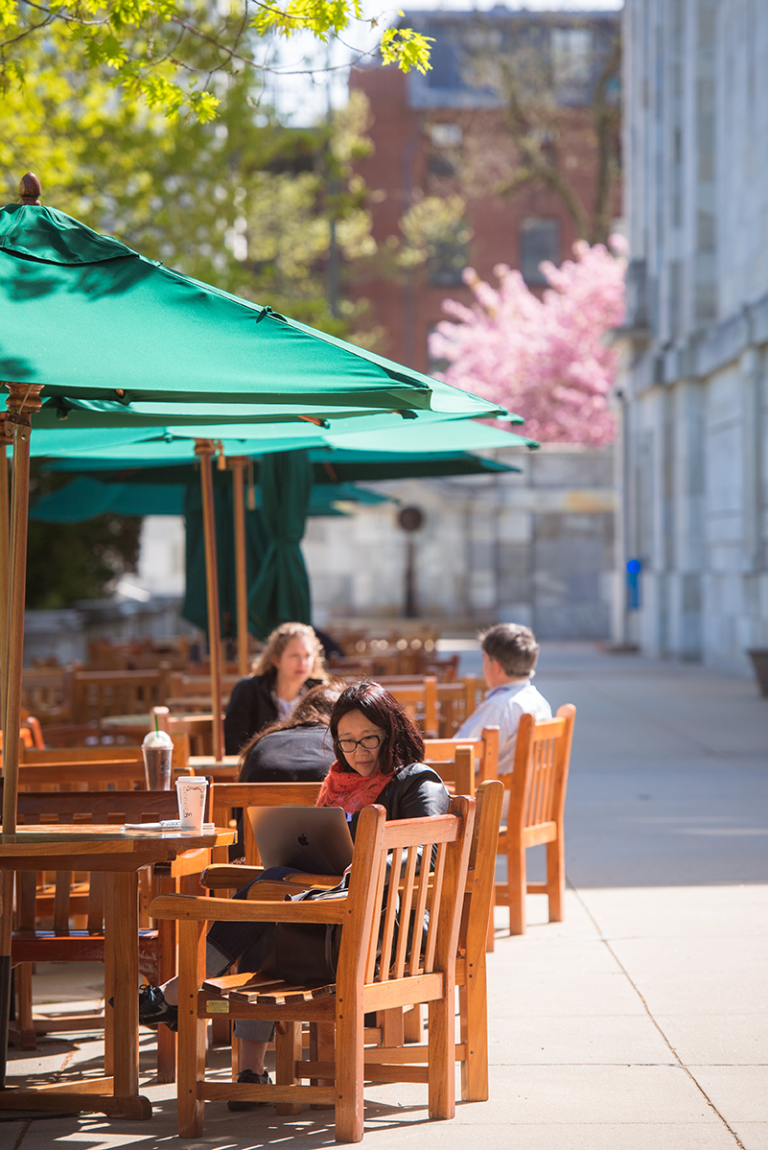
349	790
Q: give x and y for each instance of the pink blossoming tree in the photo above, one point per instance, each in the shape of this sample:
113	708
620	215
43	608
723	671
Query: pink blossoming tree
545	359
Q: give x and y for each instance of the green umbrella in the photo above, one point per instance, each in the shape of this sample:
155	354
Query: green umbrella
84	498
87	318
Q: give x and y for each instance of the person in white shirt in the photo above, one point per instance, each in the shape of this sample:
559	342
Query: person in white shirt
510	652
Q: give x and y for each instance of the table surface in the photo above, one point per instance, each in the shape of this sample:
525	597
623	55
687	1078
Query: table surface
60	840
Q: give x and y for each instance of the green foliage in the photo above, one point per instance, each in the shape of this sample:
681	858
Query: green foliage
241	202
151	49
71	561
406	48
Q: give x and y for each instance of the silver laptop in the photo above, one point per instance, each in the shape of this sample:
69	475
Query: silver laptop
314	839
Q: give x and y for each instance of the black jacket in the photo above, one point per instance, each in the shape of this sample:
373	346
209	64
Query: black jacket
294	755
251	708
415	792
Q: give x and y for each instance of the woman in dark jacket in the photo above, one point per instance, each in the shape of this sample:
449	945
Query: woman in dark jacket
379	755
290	665
294	750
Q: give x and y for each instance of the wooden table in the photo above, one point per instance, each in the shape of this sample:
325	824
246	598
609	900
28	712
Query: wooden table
121	854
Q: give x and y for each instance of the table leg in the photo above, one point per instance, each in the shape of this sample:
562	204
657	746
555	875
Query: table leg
123	943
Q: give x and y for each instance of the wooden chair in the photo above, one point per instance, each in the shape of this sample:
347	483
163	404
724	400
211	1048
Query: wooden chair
457	773
399	1063
77	910
536	791
47	693
485	751
420	703
457	700
193	692
96	694
426	974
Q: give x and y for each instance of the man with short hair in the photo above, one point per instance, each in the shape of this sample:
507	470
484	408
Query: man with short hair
510	652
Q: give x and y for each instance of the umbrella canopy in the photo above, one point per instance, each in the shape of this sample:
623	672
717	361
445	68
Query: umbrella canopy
84	498
87	318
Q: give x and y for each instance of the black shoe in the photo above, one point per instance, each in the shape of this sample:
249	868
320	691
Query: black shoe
153	1009
254	1079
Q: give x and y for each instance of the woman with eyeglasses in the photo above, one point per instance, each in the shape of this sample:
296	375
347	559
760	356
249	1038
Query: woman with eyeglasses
379	759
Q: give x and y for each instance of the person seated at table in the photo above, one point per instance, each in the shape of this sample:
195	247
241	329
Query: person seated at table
379	754
294	750
510	652
297	749
290	665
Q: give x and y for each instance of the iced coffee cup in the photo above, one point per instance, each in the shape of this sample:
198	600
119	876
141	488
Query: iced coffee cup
190	791
157	749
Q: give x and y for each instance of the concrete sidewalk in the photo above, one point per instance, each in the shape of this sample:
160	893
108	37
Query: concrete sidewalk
639	1022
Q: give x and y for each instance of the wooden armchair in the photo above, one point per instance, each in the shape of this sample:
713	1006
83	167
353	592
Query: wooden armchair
420	703
399	1063
420	967
485	752
536	790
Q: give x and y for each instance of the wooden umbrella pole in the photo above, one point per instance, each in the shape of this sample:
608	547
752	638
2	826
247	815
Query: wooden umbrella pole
238	464
4	564
24	399
205	450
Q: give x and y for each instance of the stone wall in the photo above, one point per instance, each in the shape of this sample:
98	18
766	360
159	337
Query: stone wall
535	548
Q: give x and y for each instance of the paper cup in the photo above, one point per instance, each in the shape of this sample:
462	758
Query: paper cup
190	791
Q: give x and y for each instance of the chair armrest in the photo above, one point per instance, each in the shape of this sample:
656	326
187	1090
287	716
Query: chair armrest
230	877
181	906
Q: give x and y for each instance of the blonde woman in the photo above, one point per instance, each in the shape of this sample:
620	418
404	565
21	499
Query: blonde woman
290	665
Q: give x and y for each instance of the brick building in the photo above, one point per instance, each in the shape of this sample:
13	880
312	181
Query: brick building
447	133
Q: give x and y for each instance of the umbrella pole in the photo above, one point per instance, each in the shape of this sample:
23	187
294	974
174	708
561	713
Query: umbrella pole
238	464
24	399
4	565
205	450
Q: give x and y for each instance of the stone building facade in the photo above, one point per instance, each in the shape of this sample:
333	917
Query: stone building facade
693	394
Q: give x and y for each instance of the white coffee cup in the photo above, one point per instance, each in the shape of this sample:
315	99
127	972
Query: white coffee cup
190	792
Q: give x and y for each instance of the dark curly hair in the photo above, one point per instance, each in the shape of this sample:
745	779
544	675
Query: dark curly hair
402	743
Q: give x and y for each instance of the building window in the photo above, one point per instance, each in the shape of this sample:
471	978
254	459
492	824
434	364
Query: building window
446	135
448	258
539	240
571	57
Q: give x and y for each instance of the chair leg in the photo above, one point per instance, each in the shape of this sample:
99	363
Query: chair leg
322	1048
556	878
473	1013
191	1030
24	1020
392	1027
442	1055
166	968
413	1025
516	888
350	1069
288	1051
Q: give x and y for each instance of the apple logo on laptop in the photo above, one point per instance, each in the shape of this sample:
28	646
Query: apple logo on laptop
304	840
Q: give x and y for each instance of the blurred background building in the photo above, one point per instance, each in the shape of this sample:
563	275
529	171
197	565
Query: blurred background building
694	394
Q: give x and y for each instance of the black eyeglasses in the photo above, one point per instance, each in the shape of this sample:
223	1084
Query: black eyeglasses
369	743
